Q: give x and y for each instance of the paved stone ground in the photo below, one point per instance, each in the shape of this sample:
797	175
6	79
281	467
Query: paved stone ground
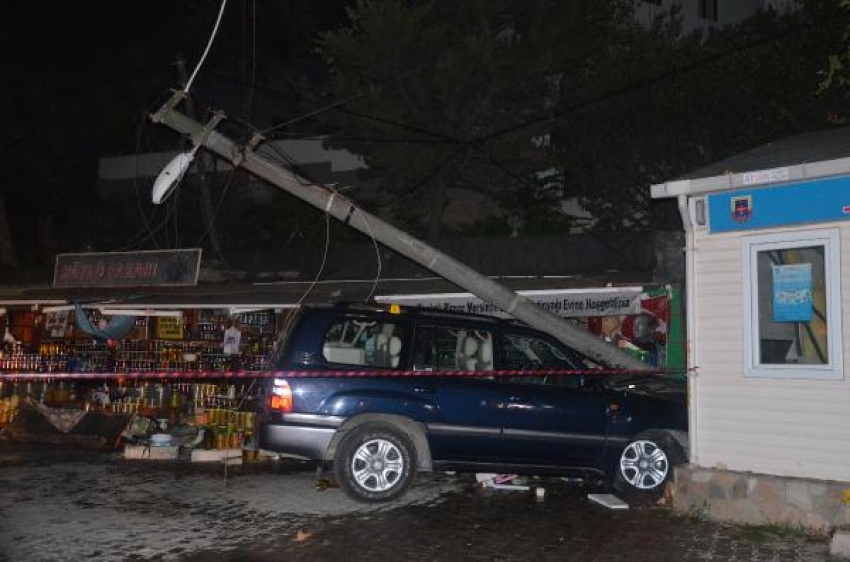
59	504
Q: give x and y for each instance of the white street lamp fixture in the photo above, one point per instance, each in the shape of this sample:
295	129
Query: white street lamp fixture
170	176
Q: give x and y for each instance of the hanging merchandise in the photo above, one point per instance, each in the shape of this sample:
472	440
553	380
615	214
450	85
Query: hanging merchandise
232	339
56	324
117	328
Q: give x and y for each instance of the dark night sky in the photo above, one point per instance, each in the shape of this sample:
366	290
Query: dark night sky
79	77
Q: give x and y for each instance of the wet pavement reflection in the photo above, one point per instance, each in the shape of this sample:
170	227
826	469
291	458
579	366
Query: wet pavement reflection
64	504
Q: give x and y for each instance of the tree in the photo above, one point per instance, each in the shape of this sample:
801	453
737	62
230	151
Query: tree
537	102
837	74
681	102
430	79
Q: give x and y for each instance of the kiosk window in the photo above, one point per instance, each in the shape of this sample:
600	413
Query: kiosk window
792	307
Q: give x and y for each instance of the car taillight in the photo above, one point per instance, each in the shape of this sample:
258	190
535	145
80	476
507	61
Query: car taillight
281	398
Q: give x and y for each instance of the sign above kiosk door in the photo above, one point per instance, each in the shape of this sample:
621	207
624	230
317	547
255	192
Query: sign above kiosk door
810	202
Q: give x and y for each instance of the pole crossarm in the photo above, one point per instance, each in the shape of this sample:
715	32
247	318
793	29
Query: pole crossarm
412	248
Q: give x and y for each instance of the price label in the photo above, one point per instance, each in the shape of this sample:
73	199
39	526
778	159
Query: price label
169	328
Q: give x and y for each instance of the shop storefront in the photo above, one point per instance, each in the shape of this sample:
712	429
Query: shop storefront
183	367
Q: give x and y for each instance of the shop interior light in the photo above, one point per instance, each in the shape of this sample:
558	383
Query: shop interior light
61	308
139	312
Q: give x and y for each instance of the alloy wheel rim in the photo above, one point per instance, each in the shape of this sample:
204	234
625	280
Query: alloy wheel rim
644	465
377	465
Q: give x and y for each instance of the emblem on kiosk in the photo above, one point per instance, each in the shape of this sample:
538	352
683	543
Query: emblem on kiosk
742	208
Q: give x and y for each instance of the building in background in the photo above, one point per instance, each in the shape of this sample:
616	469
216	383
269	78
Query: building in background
705	14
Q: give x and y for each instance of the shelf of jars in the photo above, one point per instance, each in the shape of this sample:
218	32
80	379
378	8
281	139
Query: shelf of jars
220	407
90	356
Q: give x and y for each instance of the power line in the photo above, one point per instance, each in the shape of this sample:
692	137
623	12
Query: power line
312	113
676	70
443	138
477	144
207	49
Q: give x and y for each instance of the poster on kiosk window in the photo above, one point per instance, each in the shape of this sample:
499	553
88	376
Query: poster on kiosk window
792	292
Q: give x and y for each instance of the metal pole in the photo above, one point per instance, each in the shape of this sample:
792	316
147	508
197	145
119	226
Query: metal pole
340	208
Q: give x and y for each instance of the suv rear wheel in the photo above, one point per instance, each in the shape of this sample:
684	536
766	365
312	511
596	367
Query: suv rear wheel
375	463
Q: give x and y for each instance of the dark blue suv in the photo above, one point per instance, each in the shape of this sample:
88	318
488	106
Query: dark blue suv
378	431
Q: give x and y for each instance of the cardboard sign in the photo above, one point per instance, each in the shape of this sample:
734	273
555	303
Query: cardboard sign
169	328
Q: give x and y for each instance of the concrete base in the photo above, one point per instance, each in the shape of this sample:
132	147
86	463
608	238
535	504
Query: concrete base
819	506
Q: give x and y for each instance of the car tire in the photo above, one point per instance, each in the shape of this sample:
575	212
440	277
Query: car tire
375	463
646	464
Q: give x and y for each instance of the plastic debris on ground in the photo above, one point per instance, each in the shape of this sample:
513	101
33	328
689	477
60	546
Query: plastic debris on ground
608	500
502	481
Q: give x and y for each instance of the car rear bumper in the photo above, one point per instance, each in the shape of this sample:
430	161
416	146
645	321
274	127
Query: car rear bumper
307	442
299	435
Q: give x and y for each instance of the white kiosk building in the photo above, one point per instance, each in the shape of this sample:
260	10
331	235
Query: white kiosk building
768	304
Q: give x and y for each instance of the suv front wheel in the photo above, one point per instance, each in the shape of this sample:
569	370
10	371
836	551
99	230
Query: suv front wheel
646	464
375	463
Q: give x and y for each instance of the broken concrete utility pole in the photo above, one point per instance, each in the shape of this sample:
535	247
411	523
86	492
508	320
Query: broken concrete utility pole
340	208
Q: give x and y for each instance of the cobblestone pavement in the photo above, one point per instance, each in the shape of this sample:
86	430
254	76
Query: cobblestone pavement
60	504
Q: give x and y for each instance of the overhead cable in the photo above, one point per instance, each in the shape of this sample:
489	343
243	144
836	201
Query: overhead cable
207	49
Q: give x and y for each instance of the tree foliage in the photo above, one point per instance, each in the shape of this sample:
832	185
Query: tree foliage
537	102
699	99
433	78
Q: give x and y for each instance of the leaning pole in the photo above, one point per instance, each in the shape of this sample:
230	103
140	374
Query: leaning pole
518	306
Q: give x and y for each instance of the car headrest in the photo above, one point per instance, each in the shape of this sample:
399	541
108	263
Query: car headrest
394	348
470	346
485	352
395	345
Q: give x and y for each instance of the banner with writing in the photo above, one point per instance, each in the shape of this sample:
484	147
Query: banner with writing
613	301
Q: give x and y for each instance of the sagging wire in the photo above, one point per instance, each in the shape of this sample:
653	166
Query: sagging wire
146	226
250	99
211	220
336	193
277	348
377	258
207	49
313	113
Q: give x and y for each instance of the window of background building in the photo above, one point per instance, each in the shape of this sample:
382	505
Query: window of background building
708	9
792	317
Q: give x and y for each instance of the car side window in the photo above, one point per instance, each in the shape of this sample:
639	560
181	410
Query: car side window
444	348
531	353
364	342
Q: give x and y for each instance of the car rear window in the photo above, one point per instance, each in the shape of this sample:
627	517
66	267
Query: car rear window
365	342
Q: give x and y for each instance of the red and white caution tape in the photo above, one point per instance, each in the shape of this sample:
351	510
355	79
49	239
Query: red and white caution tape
201	375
